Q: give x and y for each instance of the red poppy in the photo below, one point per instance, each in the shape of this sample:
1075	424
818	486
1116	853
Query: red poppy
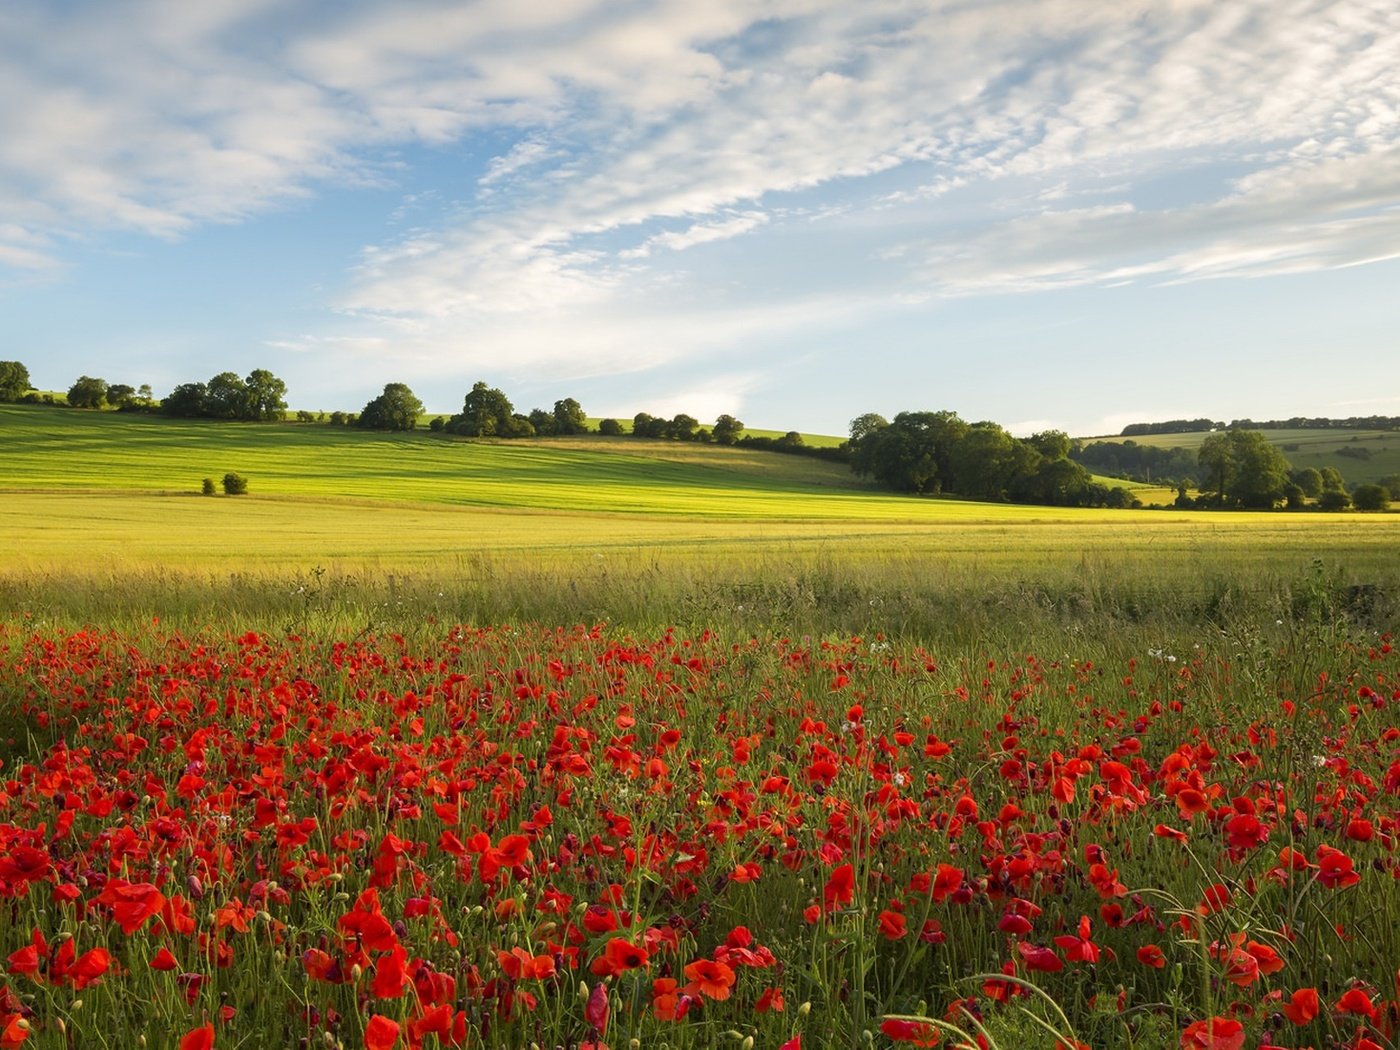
1151	955
201	1038
1302	1006
711	979
381	1033
916	1033
1216	1033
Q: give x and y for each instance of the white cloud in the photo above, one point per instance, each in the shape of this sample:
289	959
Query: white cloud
931	147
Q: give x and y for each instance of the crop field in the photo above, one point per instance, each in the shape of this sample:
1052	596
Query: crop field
429	743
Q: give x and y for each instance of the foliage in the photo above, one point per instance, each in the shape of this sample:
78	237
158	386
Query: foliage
727	430
87	392
610	428
569	417
1309	480
235	484
261	396
938	452
14	380
1244	469
207	487
395	409
1333	499
486	412
1371	497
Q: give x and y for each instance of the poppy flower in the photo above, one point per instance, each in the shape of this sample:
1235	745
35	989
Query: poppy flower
1080	948
595	1011
1356	1001
1302	1006
711	979
916	1033
1151	955
381	1033
1215	1033
619	956
201	1038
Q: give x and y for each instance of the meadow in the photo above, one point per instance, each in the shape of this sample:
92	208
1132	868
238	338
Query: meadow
433	743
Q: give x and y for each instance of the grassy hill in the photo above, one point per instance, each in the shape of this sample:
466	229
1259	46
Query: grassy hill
1360	455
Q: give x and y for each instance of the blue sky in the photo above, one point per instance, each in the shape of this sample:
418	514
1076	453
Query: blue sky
1051	213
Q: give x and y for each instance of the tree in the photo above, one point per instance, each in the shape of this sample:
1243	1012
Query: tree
188	401
542	421
1309	480
1244	468
1332	480
727	430
1371	497
14	380
395	409
569	417
235	484
682	427
226	396
87	392
486	412
1261	471
1333	499
264	396
120	395
207	487
645	425
609	427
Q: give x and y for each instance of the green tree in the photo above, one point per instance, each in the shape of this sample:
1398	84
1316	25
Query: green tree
1332	480
987	460
1309	480
1371	497
1261	471
395	409
87	392
226	396
120	395
187	401
235	484
264	396
1333	499
486	412
569	417
645	425
1217	459
542	421
682	427
609	427
14	380
727	430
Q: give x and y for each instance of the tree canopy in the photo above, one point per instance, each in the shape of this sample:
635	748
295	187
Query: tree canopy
1244	469
14	380
395	409
261	396
87	392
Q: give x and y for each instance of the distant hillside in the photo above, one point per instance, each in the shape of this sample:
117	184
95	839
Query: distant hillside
1361	456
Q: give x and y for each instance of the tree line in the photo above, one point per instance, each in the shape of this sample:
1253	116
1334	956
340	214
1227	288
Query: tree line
933	453
1196	426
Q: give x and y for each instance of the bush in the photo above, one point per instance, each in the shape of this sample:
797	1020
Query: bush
1371	497
207	487
609	428
235	484
1333	499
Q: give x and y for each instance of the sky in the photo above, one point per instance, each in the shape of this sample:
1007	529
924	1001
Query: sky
1049	213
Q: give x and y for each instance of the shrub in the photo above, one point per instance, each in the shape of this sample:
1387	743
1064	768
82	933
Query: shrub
610	427
1333	499
235	484
207	487
1371	497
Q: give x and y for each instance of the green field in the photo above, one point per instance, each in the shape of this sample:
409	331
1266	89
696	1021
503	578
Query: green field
1360	455
100	515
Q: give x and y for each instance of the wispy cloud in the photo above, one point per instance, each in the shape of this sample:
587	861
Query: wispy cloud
637	155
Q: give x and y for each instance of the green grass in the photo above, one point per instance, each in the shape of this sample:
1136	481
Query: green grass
1309	448
100	518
